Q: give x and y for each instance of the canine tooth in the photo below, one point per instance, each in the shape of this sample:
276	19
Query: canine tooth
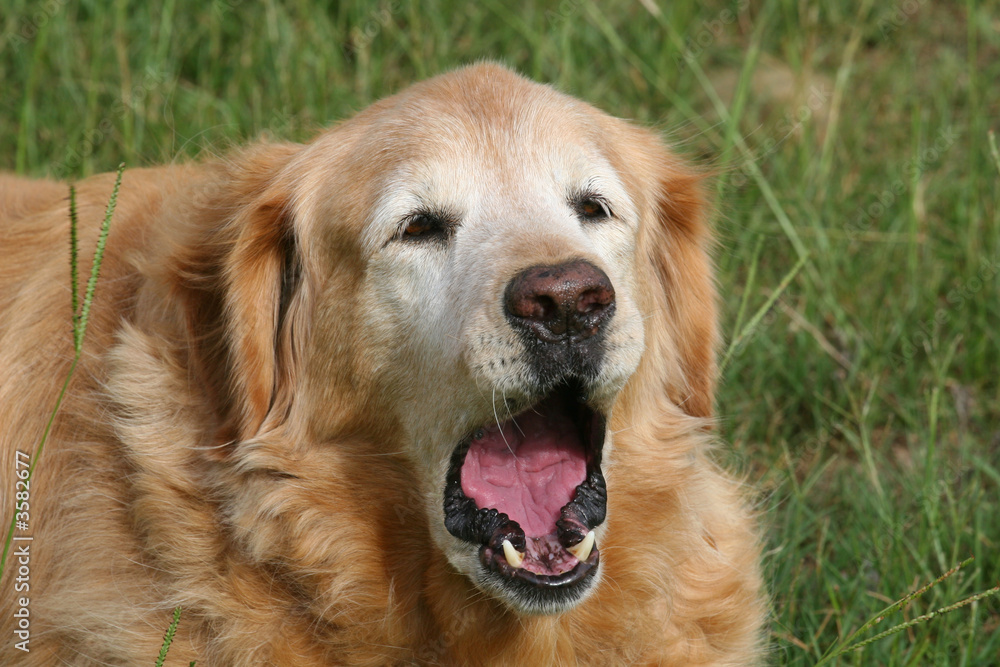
513	556
583	549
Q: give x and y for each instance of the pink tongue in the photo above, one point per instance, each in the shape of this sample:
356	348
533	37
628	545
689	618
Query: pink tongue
527	470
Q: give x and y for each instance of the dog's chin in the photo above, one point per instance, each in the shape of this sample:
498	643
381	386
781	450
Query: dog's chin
524	497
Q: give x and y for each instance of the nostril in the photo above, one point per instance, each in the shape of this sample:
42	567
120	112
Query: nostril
537	307
594	300
548	309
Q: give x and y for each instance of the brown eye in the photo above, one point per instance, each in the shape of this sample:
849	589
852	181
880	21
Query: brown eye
425	227
592	208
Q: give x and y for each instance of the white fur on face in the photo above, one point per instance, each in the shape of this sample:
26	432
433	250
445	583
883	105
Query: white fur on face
437	307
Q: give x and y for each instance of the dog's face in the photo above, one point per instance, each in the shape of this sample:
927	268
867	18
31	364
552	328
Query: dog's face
480	264
499	279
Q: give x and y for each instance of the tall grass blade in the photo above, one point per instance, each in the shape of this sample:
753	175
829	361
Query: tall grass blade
74	254
921	619
95	268
994	153
168	638
846	645
79	328
759	315
748	286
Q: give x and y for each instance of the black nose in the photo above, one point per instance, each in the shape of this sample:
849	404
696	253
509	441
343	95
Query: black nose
567	301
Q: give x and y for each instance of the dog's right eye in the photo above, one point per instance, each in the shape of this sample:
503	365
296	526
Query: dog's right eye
425	226
591	207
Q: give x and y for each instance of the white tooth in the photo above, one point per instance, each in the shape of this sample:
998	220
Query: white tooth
583	549
513	556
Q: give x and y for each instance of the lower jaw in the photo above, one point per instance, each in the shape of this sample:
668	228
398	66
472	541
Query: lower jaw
528	593
568	572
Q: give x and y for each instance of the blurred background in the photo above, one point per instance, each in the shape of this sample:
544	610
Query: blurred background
859	231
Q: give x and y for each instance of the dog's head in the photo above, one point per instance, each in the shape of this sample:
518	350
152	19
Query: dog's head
476	274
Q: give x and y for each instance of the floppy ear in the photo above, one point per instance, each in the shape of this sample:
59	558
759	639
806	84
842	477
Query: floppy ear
239	272
674	246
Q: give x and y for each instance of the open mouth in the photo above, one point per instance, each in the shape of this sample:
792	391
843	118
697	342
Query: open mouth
529	491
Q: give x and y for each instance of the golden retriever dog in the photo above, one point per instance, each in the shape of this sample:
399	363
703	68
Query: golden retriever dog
435	388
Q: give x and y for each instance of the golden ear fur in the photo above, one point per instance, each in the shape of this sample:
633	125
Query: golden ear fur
679	285
237	275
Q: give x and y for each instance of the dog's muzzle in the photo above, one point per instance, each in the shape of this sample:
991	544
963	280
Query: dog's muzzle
561	313
528	490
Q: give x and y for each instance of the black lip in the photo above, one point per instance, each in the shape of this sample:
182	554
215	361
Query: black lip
488	528
529	583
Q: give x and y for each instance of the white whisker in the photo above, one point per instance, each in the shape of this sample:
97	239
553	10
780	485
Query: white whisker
506	404
497	418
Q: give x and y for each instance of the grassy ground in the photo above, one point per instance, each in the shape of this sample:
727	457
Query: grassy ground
865	404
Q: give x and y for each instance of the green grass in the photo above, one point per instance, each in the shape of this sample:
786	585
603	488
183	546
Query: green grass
864	404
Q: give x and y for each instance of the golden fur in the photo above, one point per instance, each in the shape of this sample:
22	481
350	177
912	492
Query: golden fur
237	440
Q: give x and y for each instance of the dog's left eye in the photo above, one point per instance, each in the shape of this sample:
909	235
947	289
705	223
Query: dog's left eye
425	226
592	207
